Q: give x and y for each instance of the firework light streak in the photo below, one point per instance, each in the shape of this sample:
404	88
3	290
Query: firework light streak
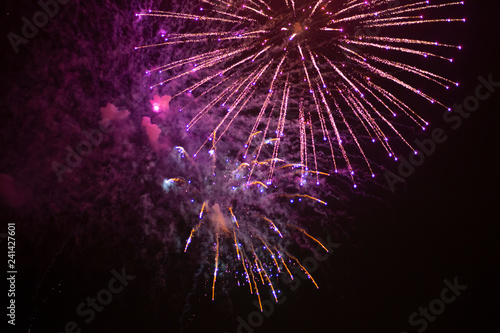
304	60
232	216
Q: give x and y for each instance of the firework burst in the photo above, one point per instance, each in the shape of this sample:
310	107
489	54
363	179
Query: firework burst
244	223
305	63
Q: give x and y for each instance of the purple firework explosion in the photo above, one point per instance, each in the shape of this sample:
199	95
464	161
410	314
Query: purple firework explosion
100	174
305	64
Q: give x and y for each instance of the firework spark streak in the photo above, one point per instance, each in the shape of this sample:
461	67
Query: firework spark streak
239	219
304	63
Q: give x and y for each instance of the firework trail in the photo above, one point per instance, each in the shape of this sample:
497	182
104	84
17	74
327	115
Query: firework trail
305	60
245	223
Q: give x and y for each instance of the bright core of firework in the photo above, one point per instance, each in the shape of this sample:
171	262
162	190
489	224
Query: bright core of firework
305	64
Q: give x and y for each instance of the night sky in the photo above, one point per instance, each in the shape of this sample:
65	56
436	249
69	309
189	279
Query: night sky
107	227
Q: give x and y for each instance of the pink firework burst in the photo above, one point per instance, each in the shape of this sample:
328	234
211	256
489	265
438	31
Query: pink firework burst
306	66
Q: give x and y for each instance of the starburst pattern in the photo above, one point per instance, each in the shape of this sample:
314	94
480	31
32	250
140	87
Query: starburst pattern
304	64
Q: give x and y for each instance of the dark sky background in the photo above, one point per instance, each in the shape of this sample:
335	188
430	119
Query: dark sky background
396	248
